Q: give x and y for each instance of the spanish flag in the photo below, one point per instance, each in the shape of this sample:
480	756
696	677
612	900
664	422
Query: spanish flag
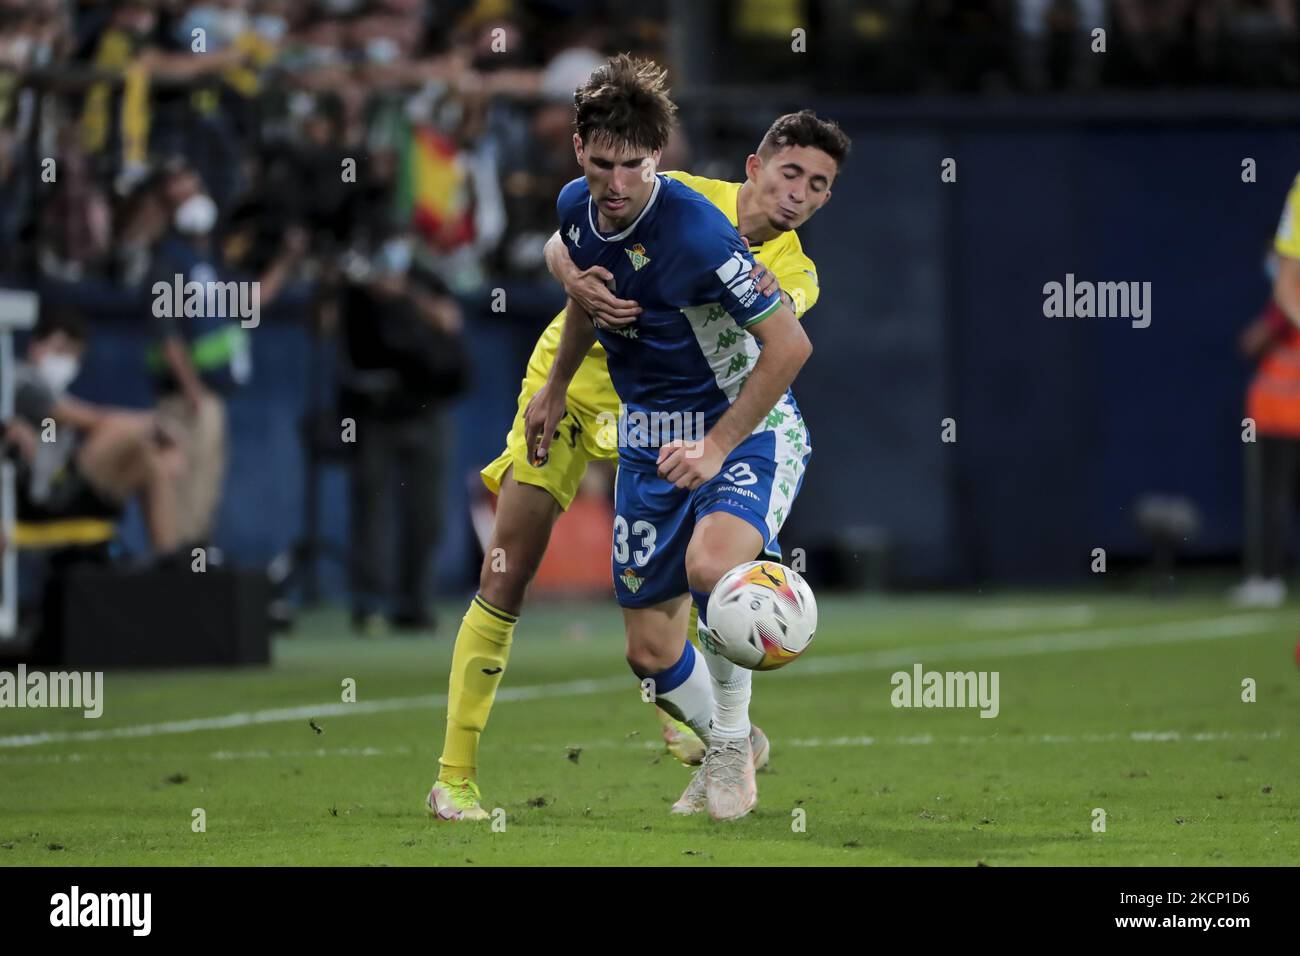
434	193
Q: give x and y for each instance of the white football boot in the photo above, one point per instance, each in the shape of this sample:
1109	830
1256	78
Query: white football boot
730	788
694	798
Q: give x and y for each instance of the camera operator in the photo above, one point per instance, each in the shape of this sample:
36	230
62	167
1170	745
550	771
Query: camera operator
403	360
81	460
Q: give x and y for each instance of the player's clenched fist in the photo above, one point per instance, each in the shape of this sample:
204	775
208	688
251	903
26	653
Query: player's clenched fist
764	281
541	421
689	464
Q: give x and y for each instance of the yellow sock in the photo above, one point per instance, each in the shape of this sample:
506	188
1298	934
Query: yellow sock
477	664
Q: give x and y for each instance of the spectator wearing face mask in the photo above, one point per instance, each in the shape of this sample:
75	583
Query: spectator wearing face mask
204	314
34	34
216	122
79	460
142	115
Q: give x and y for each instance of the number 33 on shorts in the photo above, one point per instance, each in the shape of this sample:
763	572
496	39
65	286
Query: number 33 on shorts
654	520
643	531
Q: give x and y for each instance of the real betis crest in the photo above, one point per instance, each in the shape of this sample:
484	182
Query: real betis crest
631	581
638	256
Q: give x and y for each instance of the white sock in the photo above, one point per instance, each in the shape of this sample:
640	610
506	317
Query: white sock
732	688
690	697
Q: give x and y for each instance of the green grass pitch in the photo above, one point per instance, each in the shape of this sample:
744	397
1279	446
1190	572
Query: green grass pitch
1122	704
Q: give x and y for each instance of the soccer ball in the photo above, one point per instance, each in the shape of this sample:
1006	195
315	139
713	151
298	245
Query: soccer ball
761	615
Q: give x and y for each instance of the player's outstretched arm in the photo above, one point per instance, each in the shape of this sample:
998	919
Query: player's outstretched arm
546	408
785	350
588	287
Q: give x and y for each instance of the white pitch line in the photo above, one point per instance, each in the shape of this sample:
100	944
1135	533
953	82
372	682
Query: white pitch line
914	740
1015	618
1133	736
333	709
1172	632
1031	645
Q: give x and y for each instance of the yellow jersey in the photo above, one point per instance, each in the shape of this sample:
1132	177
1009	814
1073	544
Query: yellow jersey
1287	241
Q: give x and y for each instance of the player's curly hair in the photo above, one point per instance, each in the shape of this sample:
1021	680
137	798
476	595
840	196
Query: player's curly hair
806	128
624	101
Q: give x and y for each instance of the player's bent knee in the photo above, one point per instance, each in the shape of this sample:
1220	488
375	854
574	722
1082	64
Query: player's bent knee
704	569
510	566
649	652
503	585
644	659
514	556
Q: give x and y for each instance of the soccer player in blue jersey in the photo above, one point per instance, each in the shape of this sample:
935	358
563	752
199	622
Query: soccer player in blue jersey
712	445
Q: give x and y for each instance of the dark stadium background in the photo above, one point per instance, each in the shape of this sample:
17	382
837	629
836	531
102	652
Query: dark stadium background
1145	716
1120	166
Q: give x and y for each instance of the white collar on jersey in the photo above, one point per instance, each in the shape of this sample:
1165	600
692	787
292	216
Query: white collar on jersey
591	218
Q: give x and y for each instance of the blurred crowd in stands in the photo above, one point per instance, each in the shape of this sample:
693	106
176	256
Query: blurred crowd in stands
369	164
440	105
459	107
379	165
365	165
1051	44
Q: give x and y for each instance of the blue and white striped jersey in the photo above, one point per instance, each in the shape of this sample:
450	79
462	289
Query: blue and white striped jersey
687	355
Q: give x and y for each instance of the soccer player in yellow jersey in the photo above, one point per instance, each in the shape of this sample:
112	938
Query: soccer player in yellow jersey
1286	285
786	181
1273	404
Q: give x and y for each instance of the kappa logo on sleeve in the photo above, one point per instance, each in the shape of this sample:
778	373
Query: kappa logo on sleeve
734	274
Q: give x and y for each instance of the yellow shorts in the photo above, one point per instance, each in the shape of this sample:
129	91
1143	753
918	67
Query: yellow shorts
588	432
